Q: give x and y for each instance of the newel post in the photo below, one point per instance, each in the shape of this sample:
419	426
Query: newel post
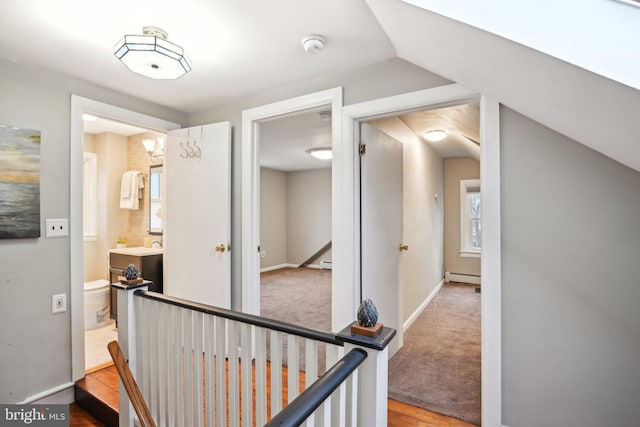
372	374
127	341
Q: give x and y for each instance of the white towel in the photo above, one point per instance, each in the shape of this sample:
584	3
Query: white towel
129	190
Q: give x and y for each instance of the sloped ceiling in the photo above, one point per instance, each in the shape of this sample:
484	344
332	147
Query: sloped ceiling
597	112
598	35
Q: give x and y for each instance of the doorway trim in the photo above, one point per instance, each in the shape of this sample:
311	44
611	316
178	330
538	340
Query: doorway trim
251	119
80	105
346	292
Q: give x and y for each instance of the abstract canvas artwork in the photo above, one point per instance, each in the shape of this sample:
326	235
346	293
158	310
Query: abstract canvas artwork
19	182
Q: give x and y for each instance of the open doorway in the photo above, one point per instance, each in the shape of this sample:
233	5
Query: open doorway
295	218
252	121
347	230
438	367
120	188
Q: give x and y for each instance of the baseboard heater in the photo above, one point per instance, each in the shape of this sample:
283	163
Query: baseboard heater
325	264
462	278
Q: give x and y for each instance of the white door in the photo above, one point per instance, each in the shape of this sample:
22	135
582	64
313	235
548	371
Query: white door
381	226
197	214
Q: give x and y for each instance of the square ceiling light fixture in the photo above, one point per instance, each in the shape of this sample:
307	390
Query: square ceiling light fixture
151	55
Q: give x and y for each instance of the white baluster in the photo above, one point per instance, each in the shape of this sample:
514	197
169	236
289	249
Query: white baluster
198	406
292	368
163	354
232	351
246	351
209	376
221	339
276	373
261	376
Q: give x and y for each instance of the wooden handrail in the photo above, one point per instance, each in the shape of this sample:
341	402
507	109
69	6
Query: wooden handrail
130	385
302	406
238	316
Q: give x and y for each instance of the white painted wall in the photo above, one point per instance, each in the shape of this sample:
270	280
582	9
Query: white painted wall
423	216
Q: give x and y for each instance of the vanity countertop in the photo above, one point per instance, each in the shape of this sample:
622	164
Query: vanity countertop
137	251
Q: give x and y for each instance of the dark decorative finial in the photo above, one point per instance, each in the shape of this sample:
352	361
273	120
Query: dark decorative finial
367	314
131	273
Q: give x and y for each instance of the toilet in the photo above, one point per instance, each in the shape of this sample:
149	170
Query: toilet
96	304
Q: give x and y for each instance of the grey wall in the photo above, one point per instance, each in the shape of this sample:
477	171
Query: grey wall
308	213
387	78
273	217
295	215
35	346
455	170
570	288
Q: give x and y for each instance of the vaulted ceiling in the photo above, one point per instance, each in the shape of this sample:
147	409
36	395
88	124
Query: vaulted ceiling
505	50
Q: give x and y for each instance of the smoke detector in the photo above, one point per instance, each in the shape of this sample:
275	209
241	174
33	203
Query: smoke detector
314	43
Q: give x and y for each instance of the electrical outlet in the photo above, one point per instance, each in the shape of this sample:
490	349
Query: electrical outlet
57	227
263	254
58	303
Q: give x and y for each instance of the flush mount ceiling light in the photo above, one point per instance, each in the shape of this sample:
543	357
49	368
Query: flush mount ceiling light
314	43
435	135
151	55
321	153
88	117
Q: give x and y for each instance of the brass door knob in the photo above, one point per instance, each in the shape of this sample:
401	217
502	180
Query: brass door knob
404	247
220	248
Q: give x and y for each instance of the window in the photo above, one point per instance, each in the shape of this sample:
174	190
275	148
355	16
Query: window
90	196
470	218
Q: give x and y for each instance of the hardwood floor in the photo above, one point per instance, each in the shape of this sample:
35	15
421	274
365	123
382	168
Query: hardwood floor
399	414
78	417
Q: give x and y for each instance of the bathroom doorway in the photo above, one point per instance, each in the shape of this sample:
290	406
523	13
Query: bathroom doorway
115	159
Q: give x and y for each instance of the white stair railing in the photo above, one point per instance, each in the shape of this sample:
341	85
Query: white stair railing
199	365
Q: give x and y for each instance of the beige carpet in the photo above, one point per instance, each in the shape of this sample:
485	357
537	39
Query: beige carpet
438	368
301	296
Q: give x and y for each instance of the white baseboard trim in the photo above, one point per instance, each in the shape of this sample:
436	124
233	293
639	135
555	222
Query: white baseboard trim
278	267
61	394
422	306
286	265
462	278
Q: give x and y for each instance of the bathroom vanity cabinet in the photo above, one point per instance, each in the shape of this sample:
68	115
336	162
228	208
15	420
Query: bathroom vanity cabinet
148	261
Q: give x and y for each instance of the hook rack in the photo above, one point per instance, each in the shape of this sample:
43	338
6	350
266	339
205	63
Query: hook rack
191	151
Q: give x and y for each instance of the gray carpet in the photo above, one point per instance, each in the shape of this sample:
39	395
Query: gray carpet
438	368
301	296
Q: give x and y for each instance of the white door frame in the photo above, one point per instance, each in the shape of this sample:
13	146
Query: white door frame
251	179
346	228
80	105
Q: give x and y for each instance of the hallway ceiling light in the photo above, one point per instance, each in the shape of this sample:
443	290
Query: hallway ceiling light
435	135
151	55
321	153
88	117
